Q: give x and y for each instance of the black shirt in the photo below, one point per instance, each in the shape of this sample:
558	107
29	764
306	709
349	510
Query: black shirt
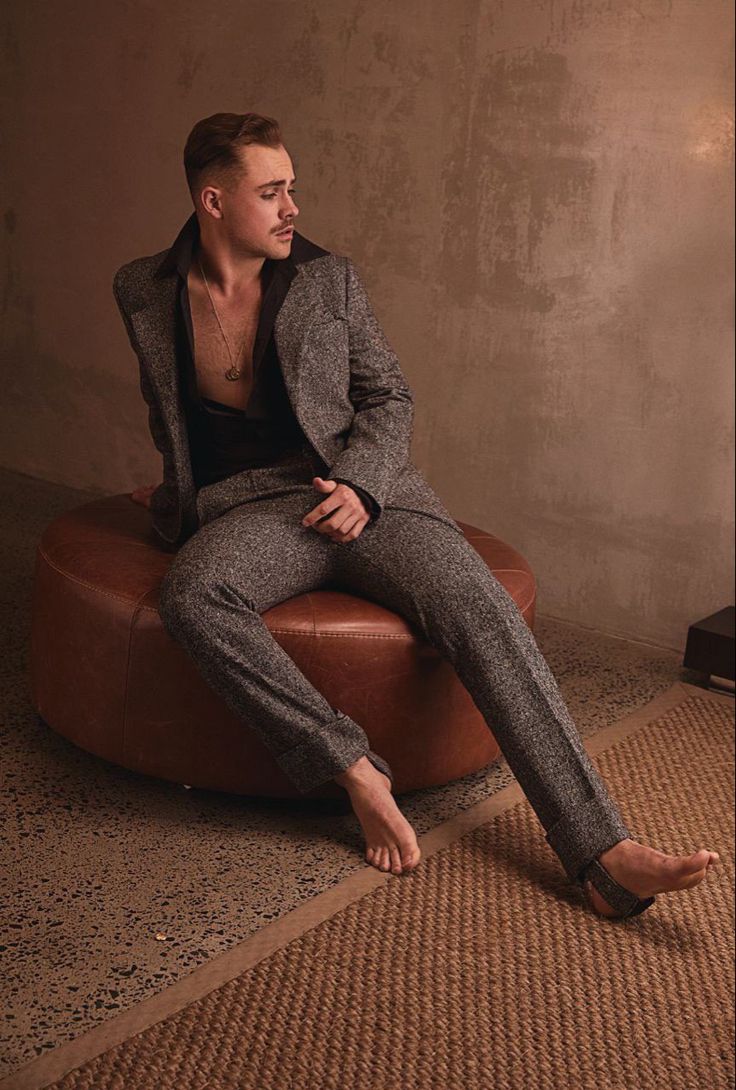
222	439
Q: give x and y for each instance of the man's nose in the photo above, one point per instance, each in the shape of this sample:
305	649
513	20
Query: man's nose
289	209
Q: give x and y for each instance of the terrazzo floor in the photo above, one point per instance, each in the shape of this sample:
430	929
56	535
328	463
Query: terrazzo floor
99	862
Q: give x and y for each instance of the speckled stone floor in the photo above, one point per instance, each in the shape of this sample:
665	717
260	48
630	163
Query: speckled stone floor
99	862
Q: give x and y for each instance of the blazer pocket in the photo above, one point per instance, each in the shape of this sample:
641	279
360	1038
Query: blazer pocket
322	315
328	326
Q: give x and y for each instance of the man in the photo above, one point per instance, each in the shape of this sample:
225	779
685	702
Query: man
284	422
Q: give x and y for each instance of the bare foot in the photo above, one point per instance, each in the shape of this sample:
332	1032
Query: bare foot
646	871
391	843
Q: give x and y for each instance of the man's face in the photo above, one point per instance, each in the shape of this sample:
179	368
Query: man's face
261	204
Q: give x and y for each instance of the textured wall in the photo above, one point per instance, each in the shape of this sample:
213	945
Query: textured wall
537	194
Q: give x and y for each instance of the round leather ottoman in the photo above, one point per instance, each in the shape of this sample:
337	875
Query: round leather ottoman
108	676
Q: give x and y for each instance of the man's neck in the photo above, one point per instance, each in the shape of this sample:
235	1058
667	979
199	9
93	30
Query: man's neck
232	276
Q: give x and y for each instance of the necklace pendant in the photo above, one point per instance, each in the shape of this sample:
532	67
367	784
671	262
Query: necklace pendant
233	373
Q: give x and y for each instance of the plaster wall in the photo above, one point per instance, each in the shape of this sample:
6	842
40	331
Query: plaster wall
538	196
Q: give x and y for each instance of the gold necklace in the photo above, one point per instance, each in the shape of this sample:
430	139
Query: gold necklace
232	373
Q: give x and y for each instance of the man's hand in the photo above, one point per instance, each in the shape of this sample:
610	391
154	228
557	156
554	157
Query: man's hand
350	515
143	494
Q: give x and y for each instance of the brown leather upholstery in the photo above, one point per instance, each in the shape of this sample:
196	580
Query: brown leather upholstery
107	675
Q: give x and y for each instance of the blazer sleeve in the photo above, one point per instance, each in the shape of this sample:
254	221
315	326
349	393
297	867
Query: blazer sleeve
162	494
370	504
379	441
155	423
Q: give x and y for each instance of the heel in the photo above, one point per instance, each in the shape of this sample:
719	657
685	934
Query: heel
624	902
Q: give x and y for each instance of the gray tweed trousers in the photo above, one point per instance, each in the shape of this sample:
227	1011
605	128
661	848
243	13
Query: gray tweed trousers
251	552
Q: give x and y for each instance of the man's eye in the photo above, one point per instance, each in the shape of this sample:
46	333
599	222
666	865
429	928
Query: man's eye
268	196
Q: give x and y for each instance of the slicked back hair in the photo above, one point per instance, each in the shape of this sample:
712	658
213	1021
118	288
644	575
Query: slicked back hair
211	150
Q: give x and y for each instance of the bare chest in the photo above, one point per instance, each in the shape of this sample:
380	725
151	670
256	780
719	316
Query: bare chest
223	339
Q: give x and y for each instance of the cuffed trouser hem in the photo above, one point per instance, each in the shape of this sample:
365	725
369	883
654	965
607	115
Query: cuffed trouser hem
380	764
308	768
580	838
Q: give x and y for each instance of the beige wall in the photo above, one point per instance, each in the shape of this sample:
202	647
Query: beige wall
538	197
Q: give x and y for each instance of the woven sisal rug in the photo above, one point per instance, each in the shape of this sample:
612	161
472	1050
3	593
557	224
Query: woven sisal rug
481	969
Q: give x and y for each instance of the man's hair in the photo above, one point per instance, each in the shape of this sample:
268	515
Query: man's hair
211	150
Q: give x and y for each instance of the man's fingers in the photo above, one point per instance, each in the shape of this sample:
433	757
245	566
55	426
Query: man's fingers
324	508
143	494
351	524
329	525
342	526
350	529
337	514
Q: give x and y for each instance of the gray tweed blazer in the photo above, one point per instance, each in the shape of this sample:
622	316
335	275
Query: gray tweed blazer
341	375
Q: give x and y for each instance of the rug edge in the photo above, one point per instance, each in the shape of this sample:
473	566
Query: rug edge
52	1066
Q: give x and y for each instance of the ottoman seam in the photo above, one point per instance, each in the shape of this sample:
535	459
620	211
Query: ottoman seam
84	583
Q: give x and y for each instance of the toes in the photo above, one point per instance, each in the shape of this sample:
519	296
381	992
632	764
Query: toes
395	853
379	858
680	868
702	857
397	859
410	857
694	880
693	864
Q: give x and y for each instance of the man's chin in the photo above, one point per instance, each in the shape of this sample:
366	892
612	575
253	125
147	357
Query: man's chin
281	248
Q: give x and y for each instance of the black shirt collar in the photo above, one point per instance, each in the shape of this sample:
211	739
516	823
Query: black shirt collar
178	258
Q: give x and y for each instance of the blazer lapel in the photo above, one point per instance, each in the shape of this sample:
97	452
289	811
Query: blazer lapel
300	310
155	328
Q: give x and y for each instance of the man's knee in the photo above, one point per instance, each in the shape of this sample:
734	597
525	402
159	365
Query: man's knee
460	594
176	597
